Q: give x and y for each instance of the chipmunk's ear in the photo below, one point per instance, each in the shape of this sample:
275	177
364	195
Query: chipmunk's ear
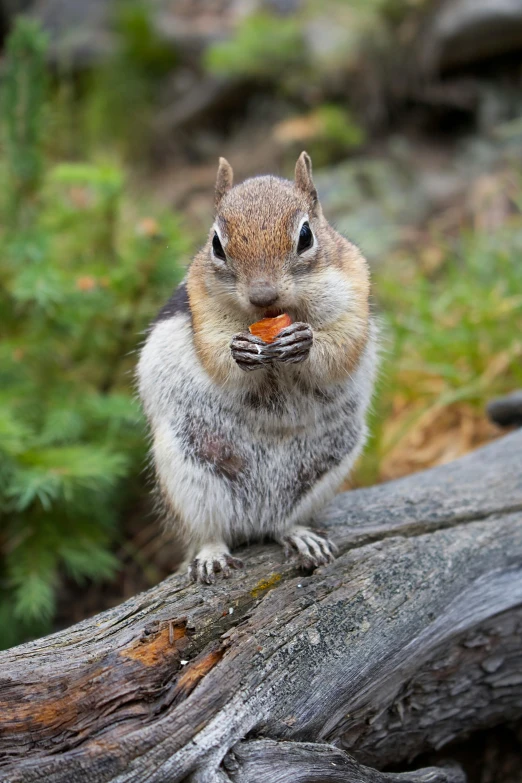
224	180
303	179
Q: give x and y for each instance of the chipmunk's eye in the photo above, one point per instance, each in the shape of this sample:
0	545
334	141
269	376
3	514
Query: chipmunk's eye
217	247
306	239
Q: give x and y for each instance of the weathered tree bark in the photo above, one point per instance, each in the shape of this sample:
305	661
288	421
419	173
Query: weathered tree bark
410	639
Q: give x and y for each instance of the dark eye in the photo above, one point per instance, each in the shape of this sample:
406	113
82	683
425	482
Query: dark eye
217	247
306	238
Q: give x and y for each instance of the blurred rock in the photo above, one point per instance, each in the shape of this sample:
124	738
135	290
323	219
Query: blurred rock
382	200
80	32
465	32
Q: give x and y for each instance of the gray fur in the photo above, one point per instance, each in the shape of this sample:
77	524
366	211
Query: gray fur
277	454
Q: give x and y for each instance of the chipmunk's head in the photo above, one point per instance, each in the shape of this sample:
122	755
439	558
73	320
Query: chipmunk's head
271	251
268	244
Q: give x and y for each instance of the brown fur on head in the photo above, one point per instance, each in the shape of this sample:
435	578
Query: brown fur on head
264	270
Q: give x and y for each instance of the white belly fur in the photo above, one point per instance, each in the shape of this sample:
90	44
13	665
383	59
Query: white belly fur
235	470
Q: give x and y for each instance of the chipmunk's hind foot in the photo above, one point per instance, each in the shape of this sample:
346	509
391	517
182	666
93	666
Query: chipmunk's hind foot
310	548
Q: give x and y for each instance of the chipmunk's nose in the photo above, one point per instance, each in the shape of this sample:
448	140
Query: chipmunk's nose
263	294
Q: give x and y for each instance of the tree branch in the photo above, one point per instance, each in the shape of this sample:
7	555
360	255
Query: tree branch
267	761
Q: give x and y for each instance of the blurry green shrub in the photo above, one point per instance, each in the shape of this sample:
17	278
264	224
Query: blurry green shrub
141	46
338	133
114	103
328	133
339	127
80	278
264	46
452	338
121	96
22	106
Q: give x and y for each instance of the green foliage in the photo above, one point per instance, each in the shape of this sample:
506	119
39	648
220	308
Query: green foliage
112	104
451	337
22	106
140	44
339	127
336	133
119	98
264	46
455	325
80	277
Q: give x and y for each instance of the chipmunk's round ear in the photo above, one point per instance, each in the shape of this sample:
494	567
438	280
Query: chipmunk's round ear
224	180
303	178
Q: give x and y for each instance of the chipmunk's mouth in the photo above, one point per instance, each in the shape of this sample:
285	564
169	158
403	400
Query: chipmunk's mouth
273	312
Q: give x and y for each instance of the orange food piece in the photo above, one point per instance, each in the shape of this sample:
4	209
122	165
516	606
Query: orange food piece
268	328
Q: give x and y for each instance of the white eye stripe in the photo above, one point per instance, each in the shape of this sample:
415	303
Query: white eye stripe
222	239
218	255
303	220
312	247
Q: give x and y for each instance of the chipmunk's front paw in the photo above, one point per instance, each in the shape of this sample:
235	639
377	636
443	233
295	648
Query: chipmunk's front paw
210	562
292	344
249	352
311	548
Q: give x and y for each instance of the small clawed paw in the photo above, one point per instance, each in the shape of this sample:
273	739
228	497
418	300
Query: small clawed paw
310	548
204	569
292	345
248	351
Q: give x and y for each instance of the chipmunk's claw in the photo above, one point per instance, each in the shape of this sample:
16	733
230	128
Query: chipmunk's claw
292	345
310	548
205	566
249	352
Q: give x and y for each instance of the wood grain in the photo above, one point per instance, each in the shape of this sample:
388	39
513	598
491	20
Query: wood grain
410	639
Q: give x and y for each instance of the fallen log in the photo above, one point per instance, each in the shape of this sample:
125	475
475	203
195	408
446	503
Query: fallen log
409	640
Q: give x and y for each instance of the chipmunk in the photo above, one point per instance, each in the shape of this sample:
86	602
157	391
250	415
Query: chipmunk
252	439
